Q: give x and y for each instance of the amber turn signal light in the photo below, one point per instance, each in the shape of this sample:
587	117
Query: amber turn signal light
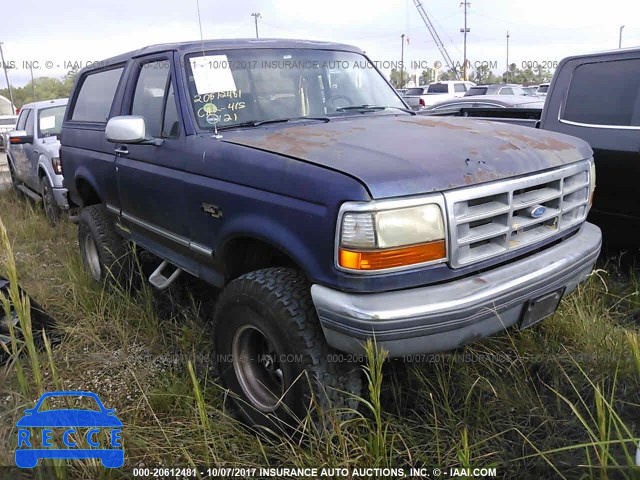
390	258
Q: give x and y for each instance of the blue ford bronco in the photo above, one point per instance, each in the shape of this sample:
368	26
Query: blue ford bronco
292	176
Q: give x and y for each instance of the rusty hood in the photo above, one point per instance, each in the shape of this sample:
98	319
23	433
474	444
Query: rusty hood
397	155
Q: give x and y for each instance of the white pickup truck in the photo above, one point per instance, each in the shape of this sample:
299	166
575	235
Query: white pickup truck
421	97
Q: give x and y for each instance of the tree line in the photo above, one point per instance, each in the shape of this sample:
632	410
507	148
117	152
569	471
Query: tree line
41	88
481	75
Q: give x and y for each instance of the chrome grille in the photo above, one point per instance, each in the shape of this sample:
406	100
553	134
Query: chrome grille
490	219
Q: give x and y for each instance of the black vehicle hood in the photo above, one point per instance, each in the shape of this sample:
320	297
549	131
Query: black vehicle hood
397	155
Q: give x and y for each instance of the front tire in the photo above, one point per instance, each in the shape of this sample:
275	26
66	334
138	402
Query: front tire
271	352
51	209
105	254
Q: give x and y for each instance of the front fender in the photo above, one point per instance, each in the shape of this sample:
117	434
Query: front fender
84	174
273	233
44	165
10	161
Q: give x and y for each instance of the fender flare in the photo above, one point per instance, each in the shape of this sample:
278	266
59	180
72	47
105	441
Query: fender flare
84	174
272	233
42	166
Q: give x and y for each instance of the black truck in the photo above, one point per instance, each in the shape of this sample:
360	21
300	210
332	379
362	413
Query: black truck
595	97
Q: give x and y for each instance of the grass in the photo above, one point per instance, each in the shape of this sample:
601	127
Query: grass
559	400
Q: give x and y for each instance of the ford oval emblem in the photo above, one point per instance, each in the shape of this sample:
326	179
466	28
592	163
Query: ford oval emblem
536	211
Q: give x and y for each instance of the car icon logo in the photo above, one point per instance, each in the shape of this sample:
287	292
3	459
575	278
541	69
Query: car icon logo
87	433
536	211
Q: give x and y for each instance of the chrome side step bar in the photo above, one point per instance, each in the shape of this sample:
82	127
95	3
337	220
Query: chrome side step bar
159	280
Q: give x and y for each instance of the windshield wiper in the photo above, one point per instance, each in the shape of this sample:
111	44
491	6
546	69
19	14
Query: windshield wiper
294	119
257	123
372	108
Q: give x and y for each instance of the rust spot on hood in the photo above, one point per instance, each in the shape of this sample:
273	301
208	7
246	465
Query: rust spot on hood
438	123
481	176
297	141
545	143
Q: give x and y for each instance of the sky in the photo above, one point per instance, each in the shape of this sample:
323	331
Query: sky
67	32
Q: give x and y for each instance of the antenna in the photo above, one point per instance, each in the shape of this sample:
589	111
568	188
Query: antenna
200	26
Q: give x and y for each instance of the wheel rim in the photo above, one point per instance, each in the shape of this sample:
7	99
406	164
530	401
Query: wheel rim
257	368
92	258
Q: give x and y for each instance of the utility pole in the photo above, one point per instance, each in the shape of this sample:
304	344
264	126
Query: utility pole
402	61
6	76
256	16
506	78
465	30
33	83
620	37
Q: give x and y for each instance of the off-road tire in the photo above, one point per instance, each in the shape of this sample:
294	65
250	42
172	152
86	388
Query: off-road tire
51	209
278	302
112	252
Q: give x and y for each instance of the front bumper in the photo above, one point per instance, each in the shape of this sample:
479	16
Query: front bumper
443	317
60	196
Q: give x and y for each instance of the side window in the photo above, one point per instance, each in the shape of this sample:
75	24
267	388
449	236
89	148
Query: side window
506	91
150	93
96	96
28	126
22	119
604	93
459	88
171	120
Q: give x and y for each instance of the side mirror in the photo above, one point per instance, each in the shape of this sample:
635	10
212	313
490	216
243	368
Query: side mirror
129	129
19	137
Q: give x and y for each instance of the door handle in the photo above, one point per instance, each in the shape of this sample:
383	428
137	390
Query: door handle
122	150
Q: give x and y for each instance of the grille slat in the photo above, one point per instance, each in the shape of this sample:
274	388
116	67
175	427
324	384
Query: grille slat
491	219
483	232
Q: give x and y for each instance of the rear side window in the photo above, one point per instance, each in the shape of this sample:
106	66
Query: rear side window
459	88
94	100
604	93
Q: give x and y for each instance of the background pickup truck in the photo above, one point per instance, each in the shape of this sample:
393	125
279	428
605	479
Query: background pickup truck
595	97
421	97
32	154
305	194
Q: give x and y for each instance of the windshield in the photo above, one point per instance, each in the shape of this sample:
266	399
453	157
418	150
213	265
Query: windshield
235	87
438	88
414	91
50	121
543	88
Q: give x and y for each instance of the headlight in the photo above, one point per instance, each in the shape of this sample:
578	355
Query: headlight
391	238
592	181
